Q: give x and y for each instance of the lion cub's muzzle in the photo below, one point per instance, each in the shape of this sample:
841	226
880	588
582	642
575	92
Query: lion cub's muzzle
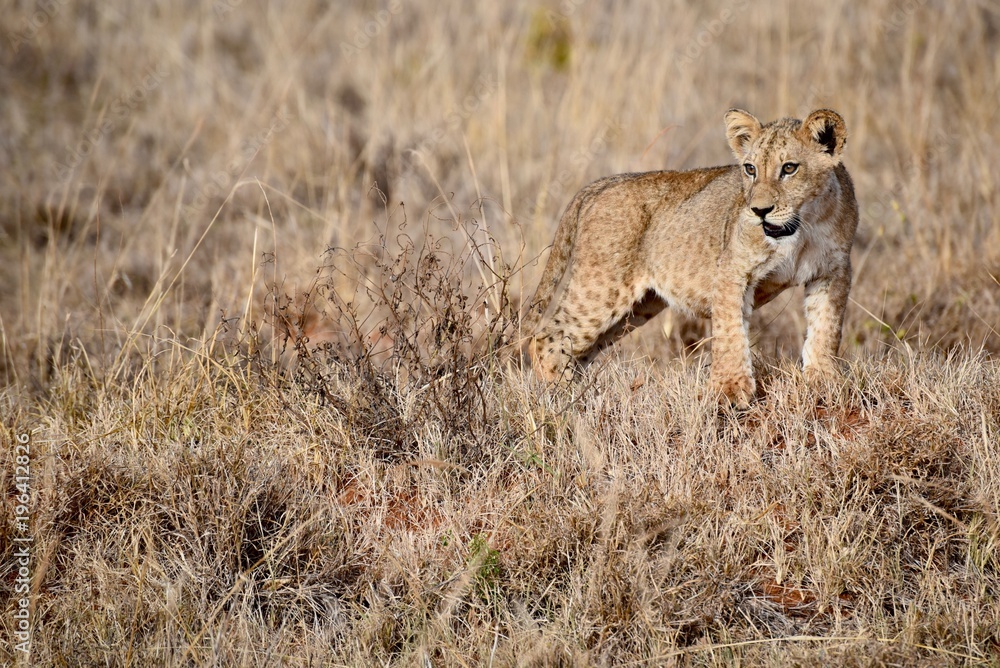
778	231
773	229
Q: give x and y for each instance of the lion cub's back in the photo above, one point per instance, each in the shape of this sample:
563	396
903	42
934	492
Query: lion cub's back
635	224
632	200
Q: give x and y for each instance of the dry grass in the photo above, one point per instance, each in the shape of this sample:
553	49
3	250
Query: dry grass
273	413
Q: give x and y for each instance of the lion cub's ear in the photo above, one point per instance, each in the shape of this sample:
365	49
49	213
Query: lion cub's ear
741	129
827	130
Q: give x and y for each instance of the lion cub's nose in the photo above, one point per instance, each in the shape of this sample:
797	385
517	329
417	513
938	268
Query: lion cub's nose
762	211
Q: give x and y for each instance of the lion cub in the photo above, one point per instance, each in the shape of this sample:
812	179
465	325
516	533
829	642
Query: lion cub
715	243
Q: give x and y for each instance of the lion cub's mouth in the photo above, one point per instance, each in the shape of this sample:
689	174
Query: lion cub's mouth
778	231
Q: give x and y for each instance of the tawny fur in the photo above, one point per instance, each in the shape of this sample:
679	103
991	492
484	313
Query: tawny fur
632	244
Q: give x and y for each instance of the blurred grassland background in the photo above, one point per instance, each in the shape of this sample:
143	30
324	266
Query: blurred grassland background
172	176
126	127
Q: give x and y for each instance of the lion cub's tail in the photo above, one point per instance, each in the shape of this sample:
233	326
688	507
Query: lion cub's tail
555	267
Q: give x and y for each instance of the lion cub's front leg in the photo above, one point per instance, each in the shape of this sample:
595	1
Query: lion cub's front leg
825	303
732	367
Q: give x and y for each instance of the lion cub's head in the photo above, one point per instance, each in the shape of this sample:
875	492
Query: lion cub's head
785	163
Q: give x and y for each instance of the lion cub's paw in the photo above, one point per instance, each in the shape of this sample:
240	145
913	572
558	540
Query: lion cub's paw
738	392
823	380
819	376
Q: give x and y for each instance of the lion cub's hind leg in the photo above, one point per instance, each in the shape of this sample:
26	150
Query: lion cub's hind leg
641	312
585	321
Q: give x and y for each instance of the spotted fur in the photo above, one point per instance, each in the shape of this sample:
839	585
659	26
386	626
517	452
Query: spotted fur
715	243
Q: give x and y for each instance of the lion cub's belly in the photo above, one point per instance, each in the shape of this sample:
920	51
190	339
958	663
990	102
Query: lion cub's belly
768	290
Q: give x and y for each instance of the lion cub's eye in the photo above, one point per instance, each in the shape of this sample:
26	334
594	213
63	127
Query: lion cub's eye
789	168
750	169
